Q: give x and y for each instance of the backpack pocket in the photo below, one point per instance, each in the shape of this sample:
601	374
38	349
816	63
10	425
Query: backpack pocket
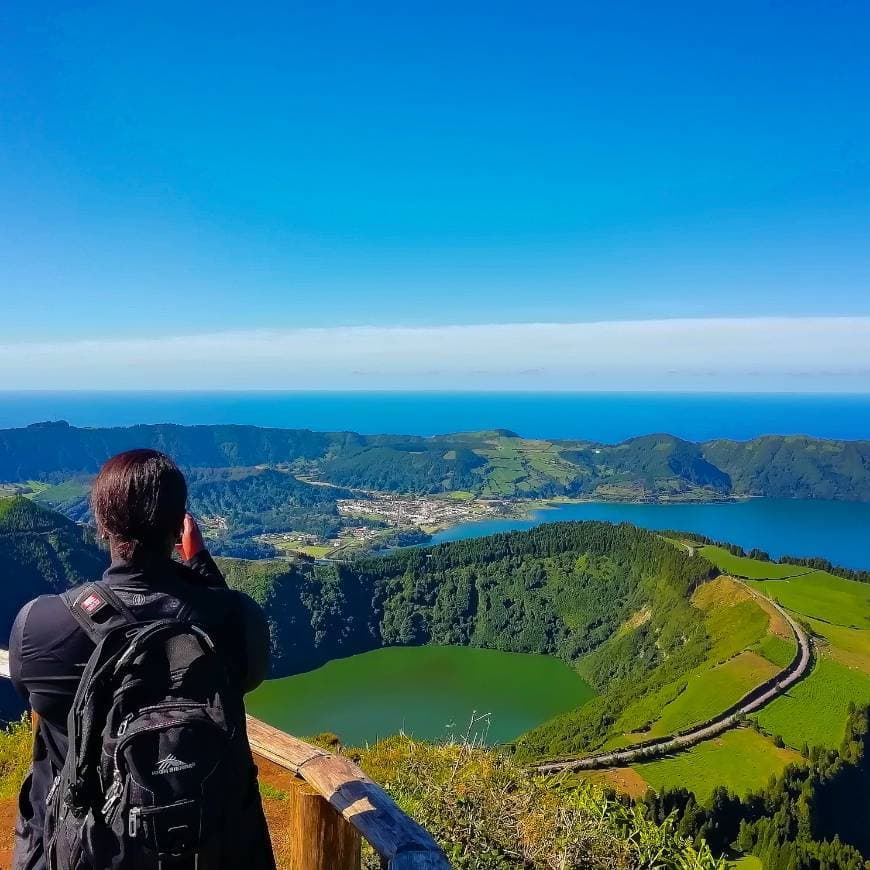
168	753
165	794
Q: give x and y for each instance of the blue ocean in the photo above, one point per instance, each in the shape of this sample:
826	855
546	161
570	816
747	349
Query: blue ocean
604	417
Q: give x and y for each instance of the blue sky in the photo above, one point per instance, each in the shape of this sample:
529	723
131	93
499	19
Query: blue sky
191	169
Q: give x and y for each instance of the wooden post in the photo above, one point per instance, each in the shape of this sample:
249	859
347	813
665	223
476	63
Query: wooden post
320	838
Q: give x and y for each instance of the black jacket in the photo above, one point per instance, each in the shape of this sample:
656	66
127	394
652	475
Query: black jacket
48	651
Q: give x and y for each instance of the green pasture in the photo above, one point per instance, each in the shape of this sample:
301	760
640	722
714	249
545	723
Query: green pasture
777	650
517	466
735	628
742	760
69	490
823	596
710	691
29	488
754	569
815	709
849	646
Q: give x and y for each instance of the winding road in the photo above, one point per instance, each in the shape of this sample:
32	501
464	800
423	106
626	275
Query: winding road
754	700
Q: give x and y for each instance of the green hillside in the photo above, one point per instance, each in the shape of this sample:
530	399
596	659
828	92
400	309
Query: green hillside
563	589
494	463
40	551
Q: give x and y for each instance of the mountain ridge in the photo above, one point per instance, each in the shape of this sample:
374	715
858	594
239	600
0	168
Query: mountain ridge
493	463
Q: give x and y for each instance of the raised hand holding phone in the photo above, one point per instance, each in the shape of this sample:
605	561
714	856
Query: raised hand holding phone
191	541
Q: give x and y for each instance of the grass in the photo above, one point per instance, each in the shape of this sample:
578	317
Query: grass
271	792
16	743
742	760
849	646
710	691
288	545
823	596
68	490
459	495
777	650
519	466
734	629
735	622
313	550
733	617
815	710
754	569
749	862
489	813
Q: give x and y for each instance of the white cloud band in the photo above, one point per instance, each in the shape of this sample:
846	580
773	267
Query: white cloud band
715	353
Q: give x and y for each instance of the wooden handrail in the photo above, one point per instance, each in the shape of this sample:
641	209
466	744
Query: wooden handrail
398	839
344	790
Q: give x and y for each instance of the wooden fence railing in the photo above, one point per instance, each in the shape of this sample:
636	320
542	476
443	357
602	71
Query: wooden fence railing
332	806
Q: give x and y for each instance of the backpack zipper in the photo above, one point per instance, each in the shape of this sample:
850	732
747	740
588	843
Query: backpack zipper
53	790
133	822
113	795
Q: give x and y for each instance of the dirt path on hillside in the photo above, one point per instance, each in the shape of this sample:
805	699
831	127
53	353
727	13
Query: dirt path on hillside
754	700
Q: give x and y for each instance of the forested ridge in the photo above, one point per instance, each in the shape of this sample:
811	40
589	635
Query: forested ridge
495	463
565	589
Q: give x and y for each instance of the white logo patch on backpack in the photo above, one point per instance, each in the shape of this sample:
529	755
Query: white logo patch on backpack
171	764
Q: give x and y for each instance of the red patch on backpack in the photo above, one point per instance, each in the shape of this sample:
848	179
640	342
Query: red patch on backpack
91	604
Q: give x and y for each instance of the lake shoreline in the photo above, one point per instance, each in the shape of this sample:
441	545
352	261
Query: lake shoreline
800	528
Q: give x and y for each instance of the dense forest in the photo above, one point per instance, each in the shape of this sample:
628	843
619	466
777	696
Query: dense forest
813	816
564	589
496	463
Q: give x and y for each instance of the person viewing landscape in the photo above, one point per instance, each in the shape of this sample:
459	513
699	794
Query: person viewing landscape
138	501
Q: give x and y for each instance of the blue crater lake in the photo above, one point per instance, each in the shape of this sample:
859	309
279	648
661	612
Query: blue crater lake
836	530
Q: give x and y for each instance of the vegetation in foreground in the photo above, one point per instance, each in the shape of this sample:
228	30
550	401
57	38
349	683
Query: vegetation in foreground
487	813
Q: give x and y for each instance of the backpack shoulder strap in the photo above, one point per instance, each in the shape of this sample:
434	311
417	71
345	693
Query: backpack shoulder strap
97	609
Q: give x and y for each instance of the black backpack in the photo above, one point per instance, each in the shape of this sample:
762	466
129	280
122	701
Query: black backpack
158	773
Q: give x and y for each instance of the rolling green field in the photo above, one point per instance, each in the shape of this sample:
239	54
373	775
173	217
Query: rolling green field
518	466
29	488
849	646
823	596
777	650
815	710
711	691
742	760
754	569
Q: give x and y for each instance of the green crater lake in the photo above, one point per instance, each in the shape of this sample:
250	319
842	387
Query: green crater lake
429	692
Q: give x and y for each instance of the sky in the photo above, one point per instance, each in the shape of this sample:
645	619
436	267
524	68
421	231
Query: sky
435	195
